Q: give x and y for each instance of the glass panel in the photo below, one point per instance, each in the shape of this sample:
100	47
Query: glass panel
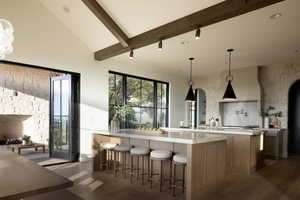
65	86
112	94
147	117
135	120
119	90
56	97
133	91
159	85
147	93
56	117
161	118
115	89
164	95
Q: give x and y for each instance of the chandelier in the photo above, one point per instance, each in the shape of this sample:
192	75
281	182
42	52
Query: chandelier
6	38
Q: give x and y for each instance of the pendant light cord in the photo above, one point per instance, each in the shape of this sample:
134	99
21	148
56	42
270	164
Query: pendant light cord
229	63
191	69
229	77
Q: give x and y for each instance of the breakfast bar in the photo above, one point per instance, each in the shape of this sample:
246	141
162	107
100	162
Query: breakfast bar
205	153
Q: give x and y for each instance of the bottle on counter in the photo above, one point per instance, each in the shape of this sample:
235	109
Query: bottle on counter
266	122
217	122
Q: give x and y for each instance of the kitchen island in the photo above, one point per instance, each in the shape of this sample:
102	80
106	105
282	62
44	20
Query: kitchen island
244	146
206	153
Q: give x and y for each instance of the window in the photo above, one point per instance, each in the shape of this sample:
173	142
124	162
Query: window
147	98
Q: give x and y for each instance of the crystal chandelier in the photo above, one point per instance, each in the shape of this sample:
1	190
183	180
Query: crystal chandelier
6	38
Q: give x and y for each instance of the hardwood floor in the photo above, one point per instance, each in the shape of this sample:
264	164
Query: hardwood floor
278	181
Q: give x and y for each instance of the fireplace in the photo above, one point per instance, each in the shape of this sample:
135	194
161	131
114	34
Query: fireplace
15	126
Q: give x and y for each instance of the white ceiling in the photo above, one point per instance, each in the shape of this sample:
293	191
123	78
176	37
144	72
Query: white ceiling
258	40
138	16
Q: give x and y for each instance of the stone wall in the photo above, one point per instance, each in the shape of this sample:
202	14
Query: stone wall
276	81
24	94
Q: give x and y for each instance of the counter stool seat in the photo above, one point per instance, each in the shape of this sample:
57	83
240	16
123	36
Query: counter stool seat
107	145
161	154
180	159
122	148
139	151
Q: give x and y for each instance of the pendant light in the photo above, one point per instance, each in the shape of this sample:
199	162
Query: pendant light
229	92
190	97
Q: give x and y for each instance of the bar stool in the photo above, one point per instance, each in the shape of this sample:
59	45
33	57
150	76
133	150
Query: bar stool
139	152
120	150
160	155
107	147
179	160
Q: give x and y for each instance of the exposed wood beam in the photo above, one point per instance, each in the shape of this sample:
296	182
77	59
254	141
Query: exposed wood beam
110	24
222	11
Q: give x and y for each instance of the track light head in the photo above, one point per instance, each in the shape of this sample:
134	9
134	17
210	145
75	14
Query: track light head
131	54
160	45
198	33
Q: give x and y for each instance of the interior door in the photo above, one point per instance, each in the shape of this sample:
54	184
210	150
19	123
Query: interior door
294	118
64	117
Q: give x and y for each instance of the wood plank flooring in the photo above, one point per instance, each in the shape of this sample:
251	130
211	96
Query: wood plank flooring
278	181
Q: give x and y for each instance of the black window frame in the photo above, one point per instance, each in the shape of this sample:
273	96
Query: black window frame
155	106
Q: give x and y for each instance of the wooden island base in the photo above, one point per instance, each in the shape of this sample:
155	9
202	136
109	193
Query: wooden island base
206	160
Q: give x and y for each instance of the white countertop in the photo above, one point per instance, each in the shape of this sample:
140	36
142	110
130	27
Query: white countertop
174	137
226	131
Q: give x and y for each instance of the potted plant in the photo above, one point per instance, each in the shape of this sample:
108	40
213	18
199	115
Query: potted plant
121	112
26	139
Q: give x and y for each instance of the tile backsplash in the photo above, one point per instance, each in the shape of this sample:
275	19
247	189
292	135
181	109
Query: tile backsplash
242	113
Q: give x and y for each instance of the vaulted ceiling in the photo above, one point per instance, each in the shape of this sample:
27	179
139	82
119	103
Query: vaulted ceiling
258	39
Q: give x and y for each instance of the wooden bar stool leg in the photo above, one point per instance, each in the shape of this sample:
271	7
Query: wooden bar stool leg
170	175
115	164
151	173
124	165
183	178
148	162
131	168
174	179
161	175
143	165
138	168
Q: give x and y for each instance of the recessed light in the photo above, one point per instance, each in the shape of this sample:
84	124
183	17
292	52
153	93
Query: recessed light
66	9
276	16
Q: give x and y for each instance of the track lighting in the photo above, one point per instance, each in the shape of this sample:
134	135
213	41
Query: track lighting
198	33
160	45
131	54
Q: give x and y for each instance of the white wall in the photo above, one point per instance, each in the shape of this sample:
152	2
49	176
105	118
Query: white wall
41	39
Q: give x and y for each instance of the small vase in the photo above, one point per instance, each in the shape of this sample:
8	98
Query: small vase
115	125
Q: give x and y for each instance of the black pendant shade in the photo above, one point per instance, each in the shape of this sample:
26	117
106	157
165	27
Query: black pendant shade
190	95
229	92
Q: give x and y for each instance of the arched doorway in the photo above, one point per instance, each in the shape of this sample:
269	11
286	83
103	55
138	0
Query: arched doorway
294	118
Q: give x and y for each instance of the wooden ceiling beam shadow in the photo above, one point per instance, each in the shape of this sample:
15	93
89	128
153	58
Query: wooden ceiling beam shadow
219	12
108	22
